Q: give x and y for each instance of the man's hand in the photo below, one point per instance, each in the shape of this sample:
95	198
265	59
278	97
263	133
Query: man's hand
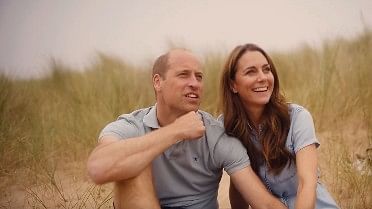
190	125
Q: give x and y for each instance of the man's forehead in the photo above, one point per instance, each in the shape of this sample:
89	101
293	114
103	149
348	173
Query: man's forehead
179	55
183	59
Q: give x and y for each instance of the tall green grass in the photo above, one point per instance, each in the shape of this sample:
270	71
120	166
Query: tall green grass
47	124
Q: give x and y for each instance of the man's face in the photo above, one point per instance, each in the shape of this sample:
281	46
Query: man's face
181	87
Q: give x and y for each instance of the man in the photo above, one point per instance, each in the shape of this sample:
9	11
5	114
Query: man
171	155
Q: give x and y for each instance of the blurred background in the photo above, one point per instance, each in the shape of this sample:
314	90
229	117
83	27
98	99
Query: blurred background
34	32
67	68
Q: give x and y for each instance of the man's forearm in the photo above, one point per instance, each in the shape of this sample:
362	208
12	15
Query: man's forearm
123	159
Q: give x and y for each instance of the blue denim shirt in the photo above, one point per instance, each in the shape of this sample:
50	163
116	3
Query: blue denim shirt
284	185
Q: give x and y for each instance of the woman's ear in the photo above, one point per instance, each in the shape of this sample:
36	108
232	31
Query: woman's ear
232	88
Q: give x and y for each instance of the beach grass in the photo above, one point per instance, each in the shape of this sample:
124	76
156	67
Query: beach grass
49	125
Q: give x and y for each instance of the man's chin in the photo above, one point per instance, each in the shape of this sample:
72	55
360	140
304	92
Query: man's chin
192	107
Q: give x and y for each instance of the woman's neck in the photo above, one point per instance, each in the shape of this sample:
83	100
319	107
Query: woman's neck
255	115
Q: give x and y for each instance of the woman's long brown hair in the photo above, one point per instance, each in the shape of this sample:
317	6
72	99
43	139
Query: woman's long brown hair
276	120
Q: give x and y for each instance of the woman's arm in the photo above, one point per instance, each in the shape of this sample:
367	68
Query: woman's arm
306	162
253	191
236	200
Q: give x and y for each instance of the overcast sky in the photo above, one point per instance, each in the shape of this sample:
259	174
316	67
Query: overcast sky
73	31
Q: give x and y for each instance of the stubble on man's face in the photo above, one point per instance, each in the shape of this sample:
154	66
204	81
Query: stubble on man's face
182	85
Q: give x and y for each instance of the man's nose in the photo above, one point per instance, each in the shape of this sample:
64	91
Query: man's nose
194	81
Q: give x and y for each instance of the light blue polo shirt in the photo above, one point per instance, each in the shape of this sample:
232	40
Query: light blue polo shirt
188	173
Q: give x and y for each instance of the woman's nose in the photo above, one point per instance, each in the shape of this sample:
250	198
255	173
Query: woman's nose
261	76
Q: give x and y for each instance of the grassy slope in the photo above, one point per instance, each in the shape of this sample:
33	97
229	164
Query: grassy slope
56	119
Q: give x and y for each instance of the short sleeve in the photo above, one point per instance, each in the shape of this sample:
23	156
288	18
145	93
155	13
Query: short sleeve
122	129
230	154
303	131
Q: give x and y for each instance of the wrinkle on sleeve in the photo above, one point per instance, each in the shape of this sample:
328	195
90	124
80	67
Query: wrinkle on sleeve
303	130
121	129
230	154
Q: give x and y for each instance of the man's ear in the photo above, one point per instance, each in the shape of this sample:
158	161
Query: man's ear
156	82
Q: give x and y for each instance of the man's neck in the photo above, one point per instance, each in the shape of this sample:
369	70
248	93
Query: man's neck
165	116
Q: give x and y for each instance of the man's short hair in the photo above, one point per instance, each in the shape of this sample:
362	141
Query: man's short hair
161	65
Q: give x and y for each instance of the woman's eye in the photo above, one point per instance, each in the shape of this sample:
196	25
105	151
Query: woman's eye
266	69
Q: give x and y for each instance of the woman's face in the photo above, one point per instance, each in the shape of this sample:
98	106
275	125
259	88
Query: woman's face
254	81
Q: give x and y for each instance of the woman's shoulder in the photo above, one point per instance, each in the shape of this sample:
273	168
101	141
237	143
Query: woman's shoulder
299	115
301	132
296	109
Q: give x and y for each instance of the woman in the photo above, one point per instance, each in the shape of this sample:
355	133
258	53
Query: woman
279	137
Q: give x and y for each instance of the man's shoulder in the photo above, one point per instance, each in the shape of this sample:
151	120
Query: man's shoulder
214	128
211	121
127	125
136	115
